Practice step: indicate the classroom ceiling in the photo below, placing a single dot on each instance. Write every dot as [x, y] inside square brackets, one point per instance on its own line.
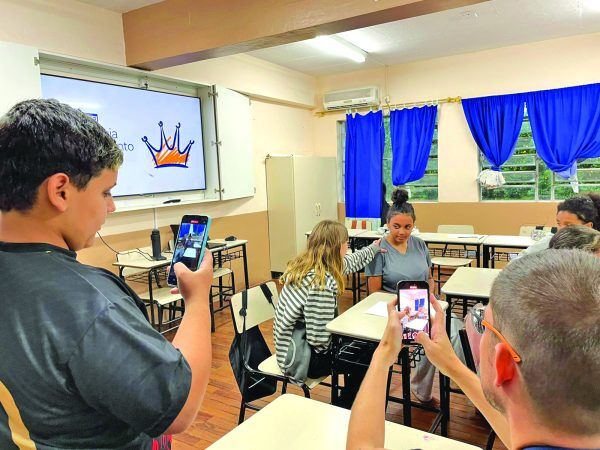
[493, 24]
[120, 6]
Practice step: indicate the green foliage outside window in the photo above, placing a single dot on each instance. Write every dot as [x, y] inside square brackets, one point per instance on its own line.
[528, 178]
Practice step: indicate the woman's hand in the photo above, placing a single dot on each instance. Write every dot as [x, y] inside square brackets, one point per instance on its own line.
[377, 244]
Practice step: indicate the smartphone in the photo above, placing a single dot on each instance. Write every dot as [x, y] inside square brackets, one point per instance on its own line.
[190, 244]
[413, 296]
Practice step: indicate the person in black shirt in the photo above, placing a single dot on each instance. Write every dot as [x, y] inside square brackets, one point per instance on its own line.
[81, 365]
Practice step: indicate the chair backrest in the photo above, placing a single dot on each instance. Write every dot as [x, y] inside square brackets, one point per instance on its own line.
[456, 229]
[259, 309]
[132, 255]
[473, 340]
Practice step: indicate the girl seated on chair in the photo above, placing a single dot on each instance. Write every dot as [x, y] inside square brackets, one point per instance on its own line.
[311, 284]
[407, 259]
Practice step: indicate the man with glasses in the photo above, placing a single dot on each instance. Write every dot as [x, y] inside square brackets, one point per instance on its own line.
[540, 357]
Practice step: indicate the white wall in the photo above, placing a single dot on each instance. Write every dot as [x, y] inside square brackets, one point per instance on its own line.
[64, 26]
[542, 65]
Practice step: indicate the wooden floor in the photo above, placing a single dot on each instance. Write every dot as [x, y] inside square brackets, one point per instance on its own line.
[219, 413]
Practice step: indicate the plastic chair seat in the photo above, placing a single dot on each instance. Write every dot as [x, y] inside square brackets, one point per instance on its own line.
[221, 272]
[271, 367]
[450, 262]
[162, 296]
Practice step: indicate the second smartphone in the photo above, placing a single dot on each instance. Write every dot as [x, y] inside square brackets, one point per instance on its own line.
[413, 296]
[190, 244]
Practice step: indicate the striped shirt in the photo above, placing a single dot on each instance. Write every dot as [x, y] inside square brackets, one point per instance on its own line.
[312, 305]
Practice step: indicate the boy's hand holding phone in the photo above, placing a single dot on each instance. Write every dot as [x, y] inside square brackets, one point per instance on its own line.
[195, 284]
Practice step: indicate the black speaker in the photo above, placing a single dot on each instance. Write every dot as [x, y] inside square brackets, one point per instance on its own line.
[156, 249]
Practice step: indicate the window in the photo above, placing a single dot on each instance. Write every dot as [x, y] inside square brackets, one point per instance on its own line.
[425, 189]
[528, 178]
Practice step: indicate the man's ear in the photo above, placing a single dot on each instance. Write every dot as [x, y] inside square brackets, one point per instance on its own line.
[58, 189]
[504, 365]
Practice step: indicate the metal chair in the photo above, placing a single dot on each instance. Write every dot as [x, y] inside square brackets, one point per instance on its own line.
[259, 310]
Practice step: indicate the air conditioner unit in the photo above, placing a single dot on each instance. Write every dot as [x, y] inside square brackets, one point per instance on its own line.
[351, 98]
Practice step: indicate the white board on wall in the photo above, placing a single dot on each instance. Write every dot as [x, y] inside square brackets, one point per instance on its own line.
[19, 75]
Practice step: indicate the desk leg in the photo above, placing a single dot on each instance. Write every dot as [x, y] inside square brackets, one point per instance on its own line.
[245, 258]
[486, 256]
[121, 273]
[478, 254]
[406, 406]
[334, 372]
[449, 299]
[152, 319]
[445, 402]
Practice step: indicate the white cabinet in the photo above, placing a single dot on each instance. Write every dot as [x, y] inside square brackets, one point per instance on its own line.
[19, 75]
[301, 191]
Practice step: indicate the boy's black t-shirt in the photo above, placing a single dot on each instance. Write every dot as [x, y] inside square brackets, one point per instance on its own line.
[80, 366]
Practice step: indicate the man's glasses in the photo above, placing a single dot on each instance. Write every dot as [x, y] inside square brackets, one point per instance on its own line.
[481, 324]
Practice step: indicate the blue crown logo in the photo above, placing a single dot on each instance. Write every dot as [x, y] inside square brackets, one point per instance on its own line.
[169, 155]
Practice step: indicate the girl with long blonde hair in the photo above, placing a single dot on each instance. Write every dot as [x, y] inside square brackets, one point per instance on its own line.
[312, 282]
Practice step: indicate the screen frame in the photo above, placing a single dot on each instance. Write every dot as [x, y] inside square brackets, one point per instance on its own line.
[205, 220]
[404, 285]
[144, 194]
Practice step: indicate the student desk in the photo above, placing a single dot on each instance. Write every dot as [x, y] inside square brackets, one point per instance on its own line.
[467, 240]
[491, 243]
[467, 284]
[355, 325]
[292, 422]
[231, 250]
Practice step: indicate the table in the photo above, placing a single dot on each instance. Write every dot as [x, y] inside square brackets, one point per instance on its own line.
[490, 243]
[467, 284]
[356, 324]
[153, 267]
[292, 422]
[466, 240]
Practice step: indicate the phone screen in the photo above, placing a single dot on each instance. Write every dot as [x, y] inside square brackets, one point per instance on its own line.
[415, 300]
[190, 244]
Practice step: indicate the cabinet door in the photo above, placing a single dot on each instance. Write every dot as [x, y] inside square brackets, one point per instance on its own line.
[315, 193]
[19, 75]
[234, 137]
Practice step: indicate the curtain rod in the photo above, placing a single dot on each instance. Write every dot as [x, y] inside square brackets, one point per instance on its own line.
[390, 107]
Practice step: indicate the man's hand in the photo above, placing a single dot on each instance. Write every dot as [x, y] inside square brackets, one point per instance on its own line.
[391, 342]
[438, 349]
[196, 284]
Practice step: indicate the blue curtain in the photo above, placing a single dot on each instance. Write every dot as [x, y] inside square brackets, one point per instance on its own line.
[495, 123]
[566, 126]
[411, 134]
[365, 140]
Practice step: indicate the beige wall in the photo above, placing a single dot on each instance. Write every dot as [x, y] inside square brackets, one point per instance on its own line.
[64, 26]
[542, 65]
[282, 120]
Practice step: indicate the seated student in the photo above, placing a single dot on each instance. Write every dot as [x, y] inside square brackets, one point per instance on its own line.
[540, 361]
[311, 284]
[81, 365]
[577, 236]
[579, 210]
[406, 259]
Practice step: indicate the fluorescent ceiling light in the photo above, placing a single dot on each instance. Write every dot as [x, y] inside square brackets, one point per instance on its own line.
[339, 47]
